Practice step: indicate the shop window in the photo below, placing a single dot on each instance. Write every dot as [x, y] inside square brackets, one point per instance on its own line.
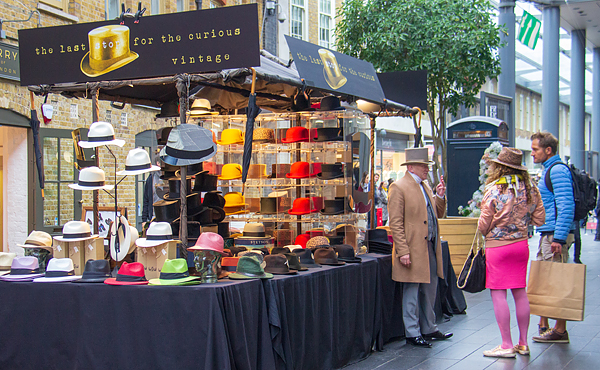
[112, 9]
[58, 4]
[155, 7]
[297, 19]
[325, 23]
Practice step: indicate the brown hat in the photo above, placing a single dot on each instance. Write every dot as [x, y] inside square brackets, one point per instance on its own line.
[416, 156]
[511, 157]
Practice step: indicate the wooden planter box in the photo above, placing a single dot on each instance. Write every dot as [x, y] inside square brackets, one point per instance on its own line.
[459, 233]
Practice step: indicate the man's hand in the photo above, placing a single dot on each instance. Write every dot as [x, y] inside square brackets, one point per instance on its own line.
[556, 247]
[440, 189]
[405, 260]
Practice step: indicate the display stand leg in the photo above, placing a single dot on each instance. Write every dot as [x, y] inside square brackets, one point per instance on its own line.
[95, 114]
[182, 91]
[372, 186]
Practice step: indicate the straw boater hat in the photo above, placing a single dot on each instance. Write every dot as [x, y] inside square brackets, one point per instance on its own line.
[38, 239]
[416, 156]
[511, 157]
[137, 163]
[201, 107]
[98, 60]
[101, 133]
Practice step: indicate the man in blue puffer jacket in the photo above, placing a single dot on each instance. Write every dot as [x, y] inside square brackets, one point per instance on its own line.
[560, 210]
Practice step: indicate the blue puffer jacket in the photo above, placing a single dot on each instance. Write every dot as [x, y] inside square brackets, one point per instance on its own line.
[562, 182]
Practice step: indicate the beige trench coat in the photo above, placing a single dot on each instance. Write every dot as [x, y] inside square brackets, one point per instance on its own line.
[408, 224]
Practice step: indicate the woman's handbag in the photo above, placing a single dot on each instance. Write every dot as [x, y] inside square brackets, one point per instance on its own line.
[472, 275]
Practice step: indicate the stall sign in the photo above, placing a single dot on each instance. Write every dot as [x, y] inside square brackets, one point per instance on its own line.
[9, 62]
[336, 72]
[159, 45]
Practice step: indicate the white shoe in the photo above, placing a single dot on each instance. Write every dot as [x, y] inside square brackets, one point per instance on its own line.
[500, 352]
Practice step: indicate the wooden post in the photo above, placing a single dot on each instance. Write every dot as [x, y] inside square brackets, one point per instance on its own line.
[183, 233]
[95, 117]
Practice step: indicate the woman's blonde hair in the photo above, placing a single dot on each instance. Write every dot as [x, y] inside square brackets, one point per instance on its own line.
[497, 171]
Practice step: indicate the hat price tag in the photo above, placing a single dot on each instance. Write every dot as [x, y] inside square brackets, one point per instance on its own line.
[91, 247]
[58, 248]
[143, 250]
[164, 252]
[153, 250]
[76, 249]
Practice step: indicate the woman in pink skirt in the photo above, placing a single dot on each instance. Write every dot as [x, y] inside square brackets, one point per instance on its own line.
[511, 202]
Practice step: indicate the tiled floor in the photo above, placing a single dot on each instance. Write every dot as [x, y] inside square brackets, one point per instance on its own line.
[477, 331]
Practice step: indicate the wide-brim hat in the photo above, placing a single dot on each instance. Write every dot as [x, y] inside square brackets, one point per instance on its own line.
[24, 268]
[327, 256]
[188, 144]
[175, 272]
[38, 239]
[120, 230]
[254, 230]
[346, 253]
[377, 236]
[101, 133]
[96, 271]
[75, 231]
[129, 274]
[98, 61]
[294, 262]
[91, 178]
[249, 268]
[277, 264]
[59, 270]
[416, 156]
[138, 162]
[328, 134]
[330, 102]
[330, 171]
[201, 107]
[510, 157]
[158, 233]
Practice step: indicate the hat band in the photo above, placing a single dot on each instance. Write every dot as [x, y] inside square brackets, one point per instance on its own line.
[77, 235]
[101, 138]
[59, 273]
[138, 167]
[24, 271]
[250, 274]
[159, 237]
[256, 234]
[95, 275]
[35, 242]
[173, 275]
[229, 268]
[90, 183]
[130, 278]
[183, 154]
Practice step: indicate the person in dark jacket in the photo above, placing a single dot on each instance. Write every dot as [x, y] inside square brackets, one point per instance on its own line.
[153, 192]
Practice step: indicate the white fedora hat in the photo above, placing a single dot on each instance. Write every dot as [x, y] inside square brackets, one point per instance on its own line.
[138, 162]
[38, 239]
[58, 270]
[101, 133]
[5, 262]
[91, 178]
[134, 237]
[120, 230]
[158, 233]
[75, 231]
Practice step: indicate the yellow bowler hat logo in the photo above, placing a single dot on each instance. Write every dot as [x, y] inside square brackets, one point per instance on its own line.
[331, 70]
[109, 50]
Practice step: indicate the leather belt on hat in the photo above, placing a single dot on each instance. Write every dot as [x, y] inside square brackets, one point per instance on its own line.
[24, 271]
[101, 138]
[130, 278]
[59, 273]
[183, 154]
[173, 275]
[90, 183]
[159, 237]
[138, 167]
[255, 234]
[78, 235]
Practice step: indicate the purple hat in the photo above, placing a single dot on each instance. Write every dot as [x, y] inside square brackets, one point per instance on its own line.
[23, 269]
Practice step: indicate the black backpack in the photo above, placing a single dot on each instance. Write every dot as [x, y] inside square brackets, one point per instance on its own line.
[584, 190]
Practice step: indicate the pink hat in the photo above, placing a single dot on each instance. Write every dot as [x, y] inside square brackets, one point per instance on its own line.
[208, 242]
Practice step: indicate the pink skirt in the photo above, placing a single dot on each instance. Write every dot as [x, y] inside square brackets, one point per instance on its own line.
[506, 266]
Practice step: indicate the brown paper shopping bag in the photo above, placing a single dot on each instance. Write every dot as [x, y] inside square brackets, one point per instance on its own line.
[557, 290]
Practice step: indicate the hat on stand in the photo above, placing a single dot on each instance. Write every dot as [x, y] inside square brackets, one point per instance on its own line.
[58, 270]
[188, 144]
[346, 253]
[331, 103]
[96, 271]
[301, 170]
[166, 210]
[335, 239]
[231, 136]
[302, 206]
[204, 181]
[377, 241]
[167, 110]
[91, 178]
[38, 239]
[137, 163]
[234, 199]
[101, 133]
[249, 268]
[317, 203]
[175, 188]
[201, 107]
[333, 207]
[327, 256]
[306, 258]
[330, 171]
[121, 232]
[192, 169]
[23, 269]
[262, 135]
[5, 262]
[231, 171]
[297, 134]
[213, 199]
[328, 134]
[75, 231]
[158, 233]
[175, 272]
[277, 264]
[208, 242]
[129, 274]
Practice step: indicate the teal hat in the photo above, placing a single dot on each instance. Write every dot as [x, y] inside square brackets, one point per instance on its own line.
[249, 268]
[175, 272]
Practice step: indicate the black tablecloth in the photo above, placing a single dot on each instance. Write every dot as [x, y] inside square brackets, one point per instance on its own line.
[96, 326]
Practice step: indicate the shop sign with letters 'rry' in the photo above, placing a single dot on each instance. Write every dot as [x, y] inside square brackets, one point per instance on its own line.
[160, 45]
[329, 70]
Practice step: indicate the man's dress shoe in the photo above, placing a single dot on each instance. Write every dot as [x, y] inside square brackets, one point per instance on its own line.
[438, 335]
[418, 342]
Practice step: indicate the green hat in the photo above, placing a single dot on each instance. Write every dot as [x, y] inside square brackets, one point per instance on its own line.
[249, 268]
[175, 272]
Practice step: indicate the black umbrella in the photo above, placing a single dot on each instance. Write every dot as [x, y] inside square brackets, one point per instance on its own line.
[417, 128]
[251, 112]
[35, 127]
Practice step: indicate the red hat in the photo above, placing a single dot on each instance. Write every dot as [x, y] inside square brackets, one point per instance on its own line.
[302, 170]
[302, 207]
[129, 274]
[296, 135]
[302, 239]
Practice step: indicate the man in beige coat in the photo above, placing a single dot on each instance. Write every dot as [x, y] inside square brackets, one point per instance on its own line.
[417, 253]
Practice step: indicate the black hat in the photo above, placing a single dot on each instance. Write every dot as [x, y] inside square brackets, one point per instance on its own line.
[294, 262]
[306, 258]
[175, 188]
[194, 205]
[192, 169]
[280, 250]
[168, 109]
[268, 205]
[377, 236]
[329, 134]
[204, 181]
[331, 171]
[213, 199]
[278, 264]
[223, 228]
[346, 253]
[301, 102]
[209, 216]
[331, 103]
[333, 207]
[336, 240]
[96, 271]
[235, 250]
[327, 256]
[188, 144]
[193, 229]
[166, 210]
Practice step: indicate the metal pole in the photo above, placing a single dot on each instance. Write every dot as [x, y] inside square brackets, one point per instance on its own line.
[577, 109]
[596, 105]
[550, 104]
[95, 115]
[506, 80]
[183, 234]
[372, 182]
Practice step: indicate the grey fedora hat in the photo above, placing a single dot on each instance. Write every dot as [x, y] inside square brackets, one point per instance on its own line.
[188, 144]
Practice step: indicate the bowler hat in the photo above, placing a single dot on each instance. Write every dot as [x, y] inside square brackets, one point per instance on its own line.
[331, 103]
[302, 170]
[204, 181]
[346, 253]
[188, 144]
[249, 268]
[306, 258]
[175, 272]
[231, 171]
[166, 210]
[101, 133]
[328, 134]
[231, 136]
[416, 156]
[234, 199]
[201, 107]
[96, 271]
[296, 134]
[331, 171]
[511, 157]
[327, 256]
[59, 270]
[129, 274]
[263, 135]
[137, 163]
[167, 110]
[100, 60]
[302, 206]
[91, 178]
[277, 264]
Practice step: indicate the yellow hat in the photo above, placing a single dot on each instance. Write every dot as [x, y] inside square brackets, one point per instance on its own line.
[235, 210]
[231, 136]
[231, 171]
[109, 50]
[234, 199]
[201, 107]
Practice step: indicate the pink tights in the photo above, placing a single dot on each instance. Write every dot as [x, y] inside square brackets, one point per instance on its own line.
[503, 314]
